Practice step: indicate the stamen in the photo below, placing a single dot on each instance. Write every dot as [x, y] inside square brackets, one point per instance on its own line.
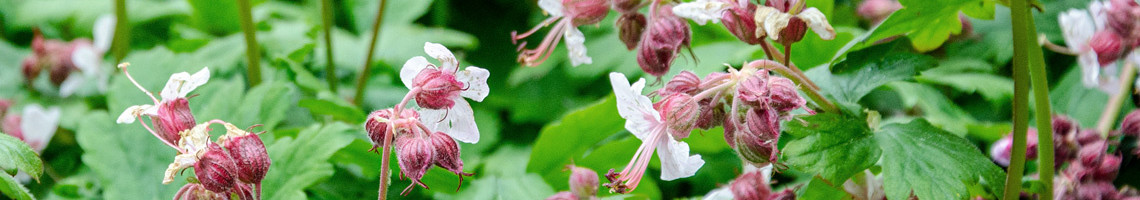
[515, 36]
[160, 138]
[124, 67]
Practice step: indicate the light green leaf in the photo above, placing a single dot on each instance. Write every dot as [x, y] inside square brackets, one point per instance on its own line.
[17, 155]
[11, 78]
[930, 163]
[300, 162]
[928, 23]
[992, 87]
[264, 104]
[1085, 105]
[833, 146]
[128, 161]
[331, 107]
[820, 189]
[11, 188]
[935, 106]
[560, 143]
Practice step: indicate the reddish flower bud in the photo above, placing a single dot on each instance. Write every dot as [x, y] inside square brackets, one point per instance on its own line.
[730, 131]
[249, 153]
[173, 117]
[1063, 127]
[377, 124]
[663, 41]
[1107, 169]
[712, 114]
[1123, 18]
[415, 155]
[447, 155]
[1107, 46]
[30, 68]
[794, 32]
[750, 186]
[244, 192]
[583, 182]
[1093, 153]
[1086, 137]
[1131, 124]
[686, 83]
[438, 89]
[782, 5]
[1095, 190]
[627, 6]
[757, 142]
[4, 105]
[630, 26]
[783, 95]
[753, 91]
[739, 21]
[680, 112]
[216, 170]
[562, 196]
[194, 191]
[585, 12]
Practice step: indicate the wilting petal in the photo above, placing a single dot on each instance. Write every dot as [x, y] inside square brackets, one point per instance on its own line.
[818, 23]
[194, 141]
[103, 32]
[770, 21]
[676, 161]
[180, 84]
[412, 68]
[181, 161]
[1076, 27]
[447, 61]
[637, 109]
[552, 7]
[576, 43]
[132, 112]
[39, 125]
[701, 11]
[475, 79]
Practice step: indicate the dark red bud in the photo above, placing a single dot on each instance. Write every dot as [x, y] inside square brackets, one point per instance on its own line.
[1123, 18]
[680, 112]
[437, 89]
[585, 12]
[1086, 137]
[630, 26]
[1093, 153]
[30, 68]
[216, 170]
[730, 131]
[739, 21]
[1107, 45]
[173, 117]
[627, 6]
[783, 95]
[252, 159]
[1131, 124]
[583, 182]
[794, 32]
[194, 191]
[663, 42]
[415, 155]
[750, 186]
[447, 155]
[60, 71]
[1107, 169]
[377, 124]
[1063, 127]
[712, 114]
[757, 143]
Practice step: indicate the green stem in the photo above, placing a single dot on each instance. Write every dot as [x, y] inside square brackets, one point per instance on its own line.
[365, 70]
[1112, 110]
[252, 54]
[1044, 110]
[330, 66]
[120, 41]
[1019, 20]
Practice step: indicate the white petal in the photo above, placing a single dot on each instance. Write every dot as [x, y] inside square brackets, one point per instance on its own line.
[475, 79]
[71, 84]
[721, 193]
[637, 109]
[770, 22]
[701, 11]
[576, 43]
[412, 68]
[195, 140]
[447, 61]
[86, 59]
[434, 119]
[675, 159]
[818, 23]
[181, 161]
[1090, 68]
[180, 84]
[131, 113]
[461, 119]
[1099, 15]
[552, 7]
[39, 125]
[103, 32]
[1076, 27]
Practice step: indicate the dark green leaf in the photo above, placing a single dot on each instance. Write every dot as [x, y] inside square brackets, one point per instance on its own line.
[931, 163]
[833, 146]
[128, 161]
[935, 106]
[867, 69]
[302, 161]
[560, 143]
[339, 109]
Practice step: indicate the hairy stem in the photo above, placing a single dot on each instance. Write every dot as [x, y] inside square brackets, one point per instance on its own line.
[384, 160]
[120, 42]
[1019, 20]
[366, 69]
[1044, 110]
[252, 54]
[1112, 110]
[327, 24]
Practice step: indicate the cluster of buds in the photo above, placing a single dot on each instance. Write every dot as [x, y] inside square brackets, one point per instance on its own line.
[565, 16]
[583, 185]
[235, 164]
[1101, 36]
[35, 125]
[749, 103]
[753, 185]
[426, 136]
[60, 59]
[658, 39]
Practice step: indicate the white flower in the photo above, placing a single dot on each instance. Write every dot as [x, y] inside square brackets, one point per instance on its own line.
[459, 121]
[1077, 28]
[552, 7]
[575, 42]
[88, 58]
[38, 125]
[178, 86]
[190, 149]
[702, 11]
[770, 21]
[646, 124]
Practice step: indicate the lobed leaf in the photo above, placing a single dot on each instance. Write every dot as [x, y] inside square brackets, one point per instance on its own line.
[833, 146]
[930, 163]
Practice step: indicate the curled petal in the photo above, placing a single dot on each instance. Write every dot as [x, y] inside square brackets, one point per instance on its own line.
[181, 161]
[475, 79]
[676, 161]
[195, 139]
[103, 32]
[818, 23]
[39, 125]
[1076, 27]
[412, 68]
[770, 21]
[447, 61]
[702, 11]
[180, 84]
[575, 42]
[637, 109]
[132, 112]
[552, 7]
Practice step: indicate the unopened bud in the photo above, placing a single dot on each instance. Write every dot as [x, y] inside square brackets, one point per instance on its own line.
[757, 143]
[4, 105]
[562, 196]
[750, 186]
[753, 91]
[739, 22]
[1093, 153]
[630, 26]
[248, 152]
[194, 191]
[173, 117]
[415, 154]
[244, 192]
[58, 72]
[877, 10]
[1064, 127]
[1095, 190]
[783, 95]
[1089, 136]
[447, 154]
[1107, 169]
[1123, 18]
[663, 41]
[626, 6]
[585, 12]
[438, 89]
[583, 182]
[1131, 124]
[680, 112]
[792, 33]
[216, 170]
[685, 83]
[30, 68]
[377, 124]
[730, 131]
[1107, 45]
[712, 114]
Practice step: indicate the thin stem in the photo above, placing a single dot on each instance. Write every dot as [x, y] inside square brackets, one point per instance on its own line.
[257, 187]
[123, 66]
[121, 40]
[1040, 80]
[768, 50]
[252, 54]
[1019, 19]
[1112, 110]
[365, 70]
[330, 66]
[384, 174]
[160, 138]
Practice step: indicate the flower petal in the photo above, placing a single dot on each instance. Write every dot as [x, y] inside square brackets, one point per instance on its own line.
[637, 109]
[770, 21]
[701, 11]
[475, 79]
[412, 68]
[86, 59]
[1076, 27]
[462, 122]
[676, 161]
[721, 193]
[818, 23]
[576, 44]
[552, 7]
[180, 84]
[447, 61]
[434, 119]
[39, 125]
[71, 84]
[131, 113]
[181, 161]
[103, 32]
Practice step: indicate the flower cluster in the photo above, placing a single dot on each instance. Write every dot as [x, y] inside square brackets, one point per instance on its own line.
[749, 103]
[35, 125]
[426, 136]
[60, 59]
[235, 164]
[753, 184]
[784, 21]
[565, 16]
[583, 185]
[1101, 36]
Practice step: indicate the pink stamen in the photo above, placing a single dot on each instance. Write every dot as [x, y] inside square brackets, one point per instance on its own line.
[533, 57]
[151, 95]
[631, 176]
[515, 37]
[148, 129]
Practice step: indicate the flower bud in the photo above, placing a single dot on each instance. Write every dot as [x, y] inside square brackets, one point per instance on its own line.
[415, 154]
[783, 95]
[630, 26]
[194, 191]
[244, 192]
[626, 6]
[4, 105]
[756, 143]
[1063, 127]
[792, 33]
[782, 5]
[585, 12]
[583, 182]
[1086, 137]
[730, 131]
[680, 112]
[753, 91]
[712, 114]
[30, 68]
[562, 196]
[447, 155]
[1123, 18]
[1093, 153]
[438, 89]
[686, 83]
[1107, 169]
[663, 41]
[877, 10]
[750, 186]
[248, 152]
[1107, 46]
[1095, 190]
[173, 117]
[216, 170]
[377, 124]
[1129, 127]
[738, 20]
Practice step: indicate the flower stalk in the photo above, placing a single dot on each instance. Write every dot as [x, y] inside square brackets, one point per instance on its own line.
[804, 83]
[1027, 55]
[1112, 110]
[252, 54]
[366, 69]
[327, 24]
[1045, 167]
[121, 41]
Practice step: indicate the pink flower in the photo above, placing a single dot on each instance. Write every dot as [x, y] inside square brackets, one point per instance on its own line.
[566, 15]
[446, 85]
[172, 115]
[35, 126]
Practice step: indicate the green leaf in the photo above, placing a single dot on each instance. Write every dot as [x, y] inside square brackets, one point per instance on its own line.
[807, 53]
[300, 162]
[338, 110]
[820, 189]
[11, 78]
[11, 188]
[17, 155]
[867, 69]
[928, 23]
[264, 104]
[216, 17]
[833, 146]
[560, 143]
[935, 106]
[993, 88]
[930, 163]
[128, 161]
